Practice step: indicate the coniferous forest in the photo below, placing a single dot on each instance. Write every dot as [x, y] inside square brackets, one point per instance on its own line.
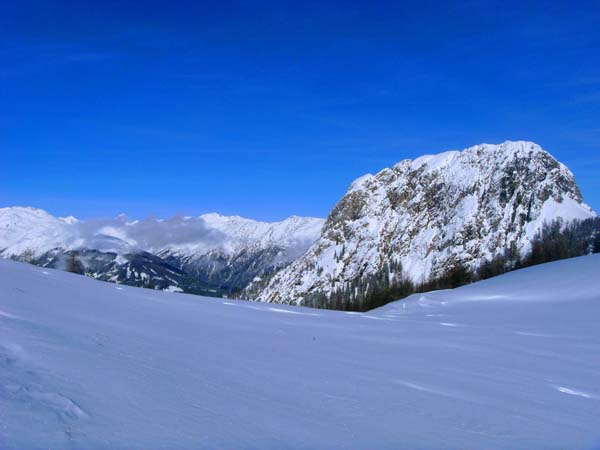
[556, 240]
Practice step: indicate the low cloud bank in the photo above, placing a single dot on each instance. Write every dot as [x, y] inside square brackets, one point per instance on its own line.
[146, 234]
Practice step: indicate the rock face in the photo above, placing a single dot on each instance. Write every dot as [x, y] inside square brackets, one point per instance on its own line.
[209, 254]
[421, 217]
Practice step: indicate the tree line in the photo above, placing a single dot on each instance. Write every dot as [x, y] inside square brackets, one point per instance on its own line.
[554, 241]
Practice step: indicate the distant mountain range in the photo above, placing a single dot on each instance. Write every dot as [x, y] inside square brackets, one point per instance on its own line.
[414, 221]
[209, 254]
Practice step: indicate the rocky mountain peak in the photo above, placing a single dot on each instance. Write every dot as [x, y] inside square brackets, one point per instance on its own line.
[427, 214]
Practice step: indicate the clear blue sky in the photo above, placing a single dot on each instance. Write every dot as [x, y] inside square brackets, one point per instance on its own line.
[267, 109]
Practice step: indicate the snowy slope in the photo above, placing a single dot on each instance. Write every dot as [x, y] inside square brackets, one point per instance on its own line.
[430, 214]
[507, 363]
[33, 232]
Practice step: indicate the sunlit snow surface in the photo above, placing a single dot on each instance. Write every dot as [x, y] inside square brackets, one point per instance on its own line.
[512, 362]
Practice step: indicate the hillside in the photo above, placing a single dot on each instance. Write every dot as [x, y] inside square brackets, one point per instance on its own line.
[507, 363]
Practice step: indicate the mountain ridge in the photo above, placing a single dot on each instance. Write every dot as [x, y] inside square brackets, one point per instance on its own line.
[228, 251]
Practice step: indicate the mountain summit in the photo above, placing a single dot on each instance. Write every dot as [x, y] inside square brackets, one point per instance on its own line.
[422, 217]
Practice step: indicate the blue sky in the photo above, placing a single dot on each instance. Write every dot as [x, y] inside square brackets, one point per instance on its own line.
[268, 109]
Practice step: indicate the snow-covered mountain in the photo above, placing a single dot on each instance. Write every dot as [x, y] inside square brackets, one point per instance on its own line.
[422, 217]
[247, 248]
[506, 363]
[30, 232]
[209, 253]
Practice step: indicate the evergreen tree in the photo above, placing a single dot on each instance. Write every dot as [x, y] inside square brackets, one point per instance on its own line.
[555, 240]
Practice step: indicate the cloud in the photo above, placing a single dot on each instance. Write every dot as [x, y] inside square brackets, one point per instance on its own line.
[152, 234]
[157, 233]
